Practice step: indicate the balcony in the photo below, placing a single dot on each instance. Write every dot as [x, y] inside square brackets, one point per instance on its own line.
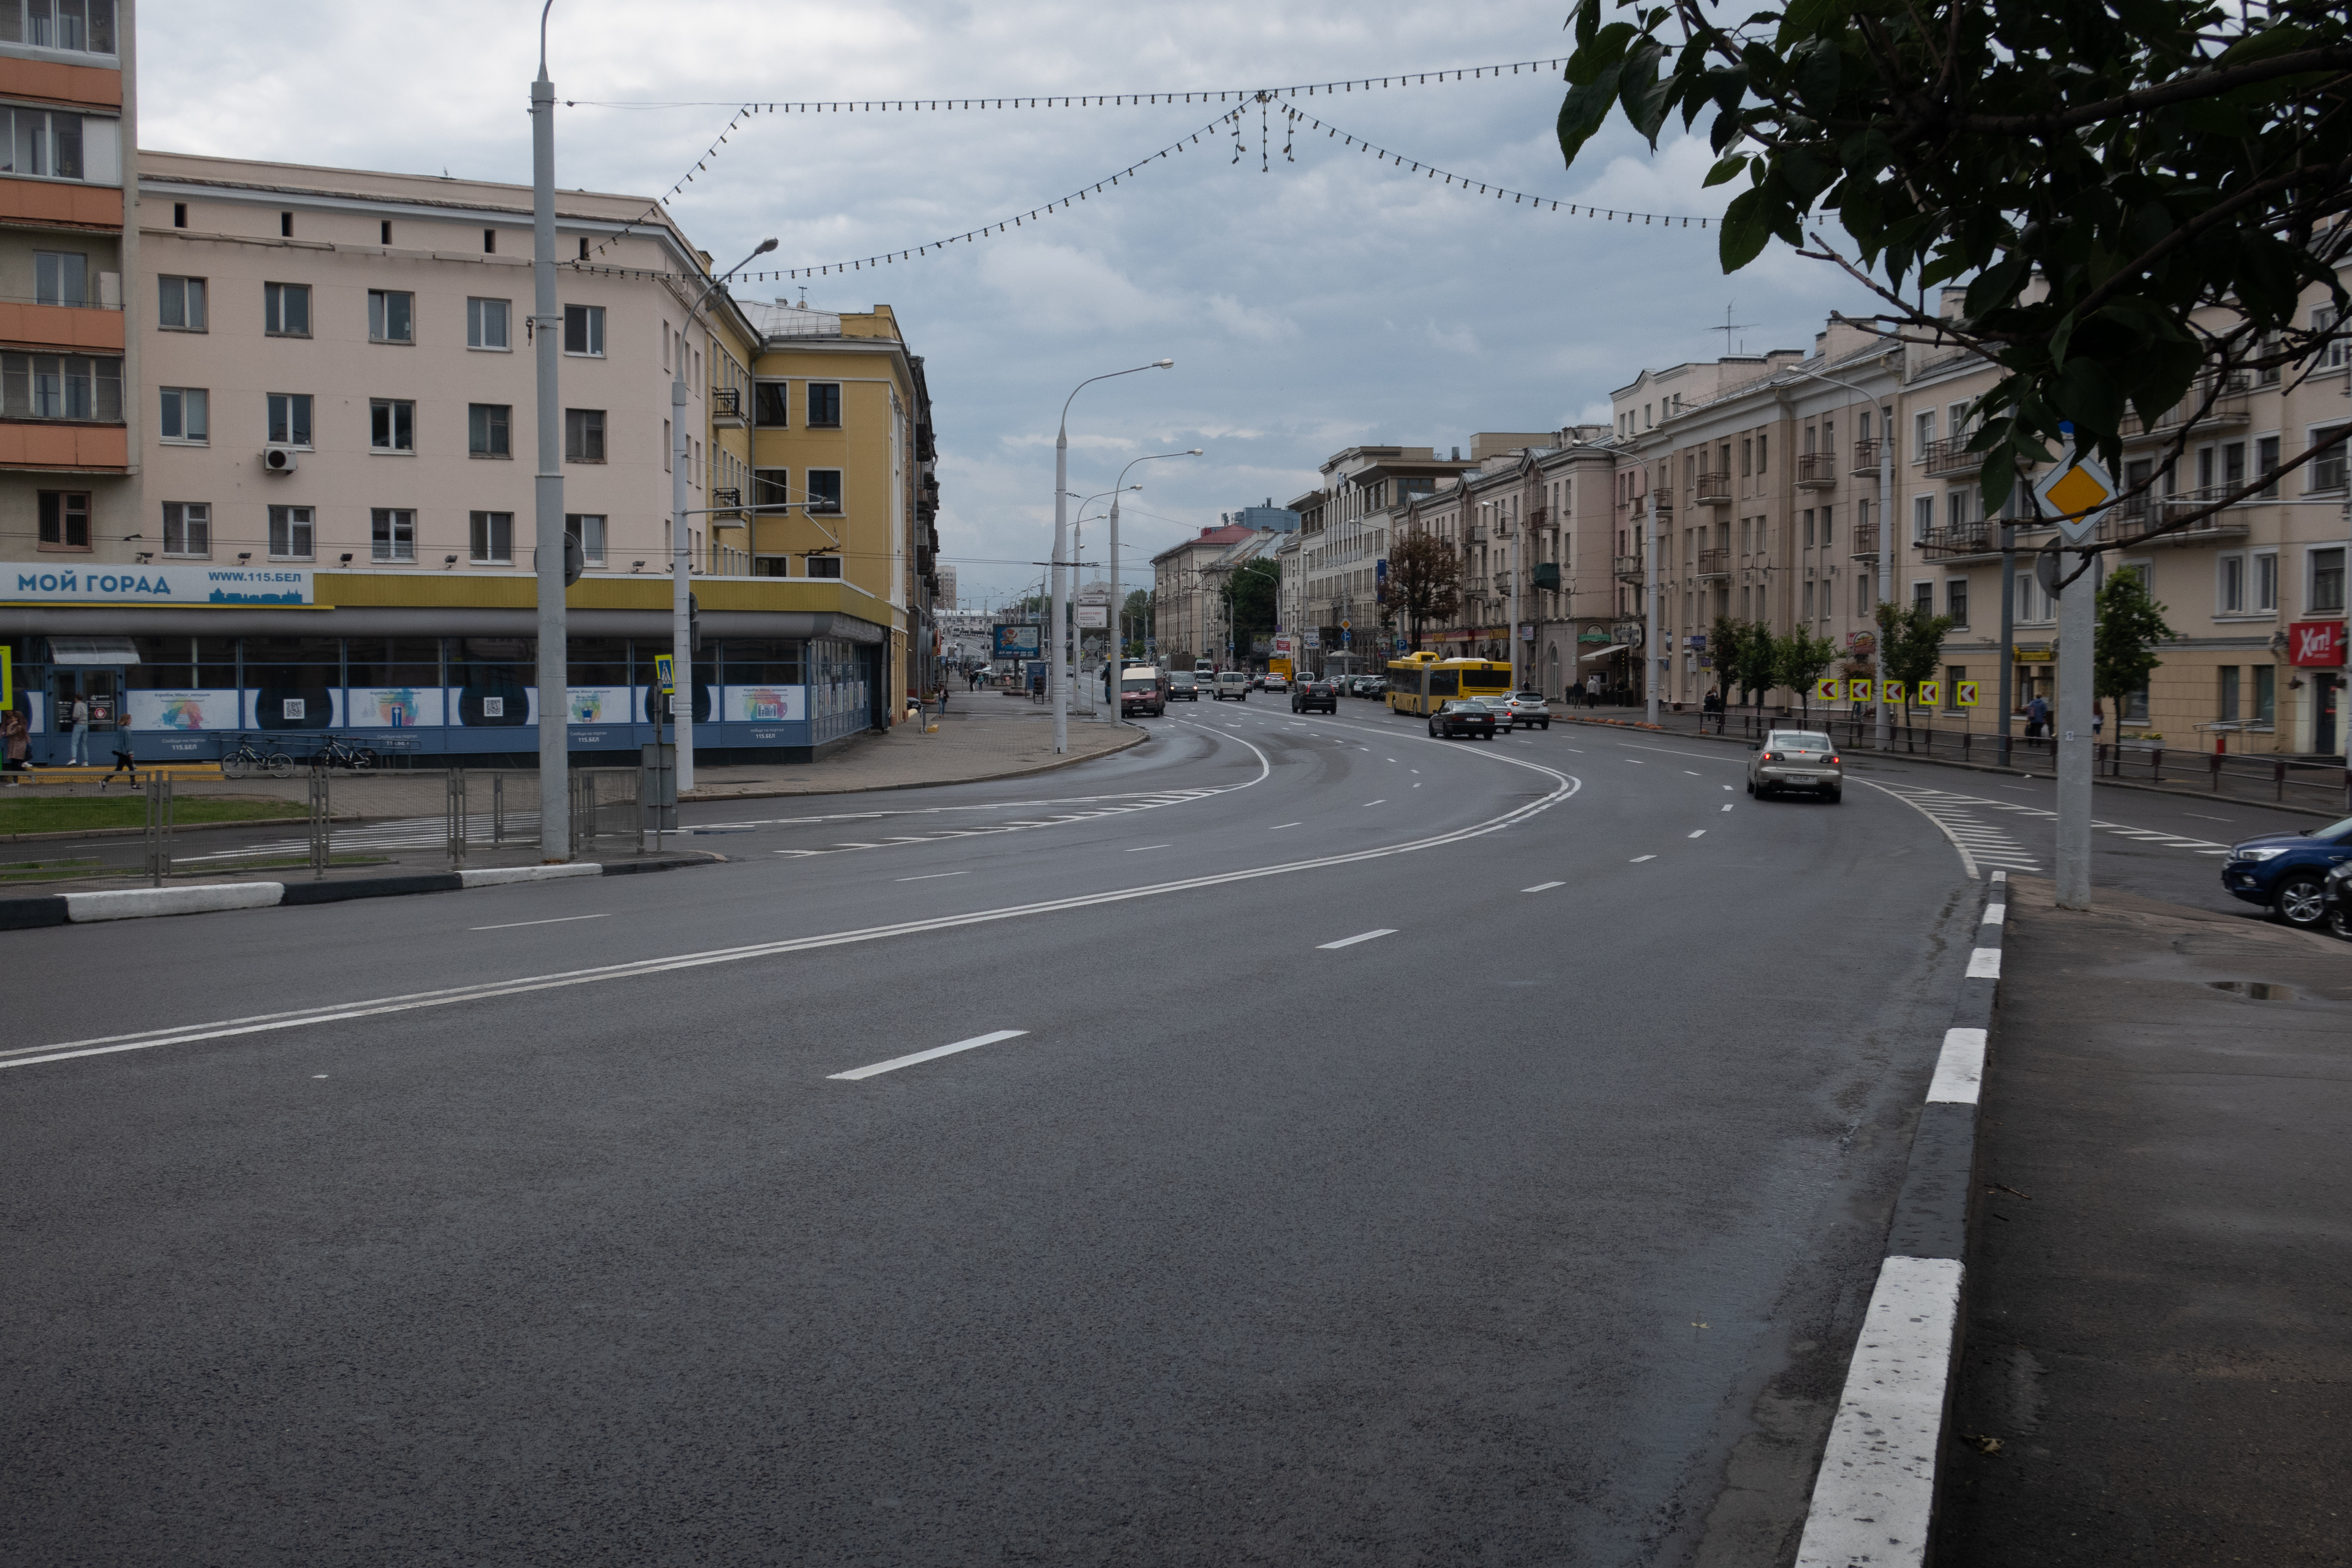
[1714, 563]
[1961, 542]
[727, 407]
[90, 329]
[726, 501]
[1862, 542]
[1817, 470]
[60, 447]
[1631, 568]
[1951, 456]
[1865, 460]
[1711, 490]
[2228, 407]
[2229, 524]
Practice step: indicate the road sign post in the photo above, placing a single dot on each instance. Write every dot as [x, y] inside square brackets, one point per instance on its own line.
[2075, 495]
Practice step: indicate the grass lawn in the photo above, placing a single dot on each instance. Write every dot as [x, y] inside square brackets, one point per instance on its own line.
[131, 811]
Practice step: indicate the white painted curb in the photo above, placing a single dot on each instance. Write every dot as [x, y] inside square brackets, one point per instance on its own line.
[1959, 1070]
[1877, 1486]
[136, 903]
[498, 874]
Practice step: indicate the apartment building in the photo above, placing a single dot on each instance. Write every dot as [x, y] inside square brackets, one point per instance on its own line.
[1187, 581]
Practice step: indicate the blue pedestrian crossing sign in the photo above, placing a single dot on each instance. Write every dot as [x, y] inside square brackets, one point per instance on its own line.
[662, 674]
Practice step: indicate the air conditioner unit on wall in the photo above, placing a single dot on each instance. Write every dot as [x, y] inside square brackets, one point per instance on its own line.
[279, 460]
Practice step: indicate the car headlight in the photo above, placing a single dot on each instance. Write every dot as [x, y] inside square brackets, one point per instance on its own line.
[2266, 853]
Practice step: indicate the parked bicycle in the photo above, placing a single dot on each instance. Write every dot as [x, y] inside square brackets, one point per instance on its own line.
[335, 752]
[248, 759]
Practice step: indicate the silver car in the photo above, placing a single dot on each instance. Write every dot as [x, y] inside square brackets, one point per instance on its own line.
[1795, 758]
[1528, 709]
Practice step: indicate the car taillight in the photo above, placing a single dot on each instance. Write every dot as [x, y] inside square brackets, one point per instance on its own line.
[1834, 762]
[1774, 757]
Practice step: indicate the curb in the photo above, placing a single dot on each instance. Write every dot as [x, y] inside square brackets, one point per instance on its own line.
[1875, 1499]
[142, 903]
[695, 798]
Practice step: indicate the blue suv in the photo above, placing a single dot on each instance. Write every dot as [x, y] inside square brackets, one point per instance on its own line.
[2287, 872]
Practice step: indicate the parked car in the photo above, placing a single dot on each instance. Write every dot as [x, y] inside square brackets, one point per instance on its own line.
[1528, 709]
[1142, 690]
[1796, 759]
[1309, 695]
[2338, 898]
[1232, 683]
[1184, 686]
[1467, 716]
[2287, 872]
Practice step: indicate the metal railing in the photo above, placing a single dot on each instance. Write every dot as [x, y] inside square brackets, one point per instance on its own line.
[1958, 540]
[1631, 568]
[1712, 490]
[1866, 458]
[1951, 456]
[499, 810]
[1862, 542]
[1714, 563]
[2228, 407]
[1818, 469]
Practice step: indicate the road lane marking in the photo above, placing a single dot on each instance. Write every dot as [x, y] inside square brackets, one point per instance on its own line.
[1352, 940]
[1382, 801]
[1959, 1070]
[895, 1063]
[1142, 848]
[1543, 887]
[1639, 859]
[1727, 786]
[2203, 818]
[1280, 825]
[1699, 833]
[1636, 761]
[1726, 804]
[1694, 773]
[558, 920]
[933, 876]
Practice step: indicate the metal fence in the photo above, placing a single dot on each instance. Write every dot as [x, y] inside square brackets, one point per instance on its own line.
[498, 809]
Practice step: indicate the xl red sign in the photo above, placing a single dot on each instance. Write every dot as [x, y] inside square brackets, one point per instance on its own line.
[2315, 642]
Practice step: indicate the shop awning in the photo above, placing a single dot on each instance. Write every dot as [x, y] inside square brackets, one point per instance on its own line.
[92, 651]
[1605, 652]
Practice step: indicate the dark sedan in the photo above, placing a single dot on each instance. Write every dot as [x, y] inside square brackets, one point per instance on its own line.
[1468, 717]
[2286, 873]
[1309, 695]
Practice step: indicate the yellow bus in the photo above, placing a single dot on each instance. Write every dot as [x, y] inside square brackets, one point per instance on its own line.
[1423, 682]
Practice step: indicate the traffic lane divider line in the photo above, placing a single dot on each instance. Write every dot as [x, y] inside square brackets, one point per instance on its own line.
[108, 1045]
[1542, 887]
[1639, 859]
[1700, 833]
[934, 1054]
[552, 920]
[1352, 940]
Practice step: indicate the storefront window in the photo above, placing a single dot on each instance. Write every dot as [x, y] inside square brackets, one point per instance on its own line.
[396, 683]
[293, 683]
[598, 683]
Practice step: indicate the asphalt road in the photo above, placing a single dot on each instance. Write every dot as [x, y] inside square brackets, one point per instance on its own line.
[538, 1224]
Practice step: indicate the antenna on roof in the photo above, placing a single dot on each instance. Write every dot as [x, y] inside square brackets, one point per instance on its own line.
[1729, 327]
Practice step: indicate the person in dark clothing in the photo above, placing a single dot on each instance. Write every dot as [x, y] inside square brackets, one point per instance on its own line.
[125, 760]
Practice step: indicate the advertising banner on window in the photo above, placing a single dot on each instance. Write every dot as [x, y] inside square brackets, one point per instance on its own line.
[199, 585]
[293, 706]
[601, 704]
[765, 704]
[184, 710]
[394, 707]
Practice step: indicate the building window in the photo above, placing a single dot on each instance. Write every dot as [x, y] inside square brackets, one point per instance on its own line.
[588, 528]
[825, 405]
[2326, 580]
[485, 324]
[60, 278]
[41, 142]
[187, 527]
[1922, 598]
[2266, 460]
[86, 27]
[825, 566]
[1956, 600]
[489, 242]
[1923, 432]
[384, 232]
[60, 386]
[179, 215]
[583, 434]
[2229, 702]
[492, 538]
[825, 489]
[2265, 694]
[285, 309]
[486, 427]
[772, 487]
[290, 419]
[583, 330]
[180, 303]
[392, 533]
[2231, 598]
[768, 404]
[391, 316]
[289, 533]
[391, 424]
[2328, 470]
[285, 225]
[65, 519]
[185, 415]
[2266, 582]
[1923, 516]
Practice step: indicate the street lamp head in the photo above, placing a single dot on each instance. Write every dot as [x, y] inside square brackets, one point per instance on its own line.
[766, 246]
[1163, 364]
[1193, 453]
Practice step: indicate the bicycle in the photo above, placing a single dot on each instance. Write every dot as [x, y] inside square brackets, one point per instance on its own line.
[334, 753]
[236, 765]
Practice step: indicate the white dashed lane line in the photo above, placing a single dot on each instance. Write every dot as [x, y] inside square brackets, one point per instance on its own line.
[1543, 887]
[1639, 859]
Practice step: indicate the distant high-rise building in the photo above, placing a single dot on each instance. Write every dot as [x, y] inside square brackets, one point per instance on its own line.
[946, 577]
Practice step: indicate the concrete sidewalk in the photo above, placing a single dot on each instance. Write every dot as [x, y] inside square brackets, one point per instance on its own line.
[2159, 1330]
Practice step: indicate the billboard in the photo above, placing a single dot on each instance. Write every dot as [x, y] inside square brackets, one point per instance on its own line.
[1019, 642]
[201, 585]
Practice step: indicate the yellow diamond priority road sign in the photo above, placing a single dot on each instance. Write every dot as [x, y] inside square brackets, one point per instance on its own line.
[2073, 494]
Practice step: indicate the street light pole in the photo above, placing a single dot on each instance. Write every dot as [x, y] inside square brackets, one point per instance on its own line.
[1061, 515]
[1119, 605]
[547, 485]
[681, 564]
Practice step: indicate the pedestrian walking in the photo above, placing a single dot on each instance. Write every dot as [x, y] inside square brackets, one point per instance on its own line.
[125, 758]
[80, 714]
[2037, 717]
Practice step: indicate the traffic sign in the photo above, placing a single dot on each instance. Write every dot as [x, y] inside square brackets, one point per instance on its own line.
[1931, 693]
[662, 674]
[1827, 689]
[1858, 689]
[1891, 690]
[2075, 493]
[1964, 693]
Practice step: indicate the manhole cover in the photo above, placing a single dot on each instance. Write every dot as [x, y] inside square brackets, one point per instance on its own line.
[2258, 990]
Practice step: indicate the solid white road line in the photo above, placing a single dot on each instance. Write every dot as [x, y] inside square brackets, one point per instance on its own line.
[895, 1063]
[558, 920]
[2203, 818]
[1352, 940]
[1541, 887]
[1984, 963]
[1639, 859]
[1382, 801]
[933, 876]
[1280, 825]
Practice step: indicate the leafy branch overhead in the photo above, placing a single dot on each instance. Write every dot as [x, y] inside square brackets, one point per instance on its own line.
[2135, 192]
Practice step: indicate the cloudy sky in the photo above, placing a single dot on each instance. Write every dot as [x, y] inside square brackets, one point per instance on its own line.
[1333, 300]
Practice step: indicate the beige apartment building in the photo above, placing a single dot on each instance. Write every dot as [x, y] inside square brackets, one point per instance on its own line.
[1188, 613]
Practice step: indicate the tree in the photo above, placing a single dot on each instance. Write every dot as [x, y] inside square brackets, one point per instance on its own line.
[1799, 660]
[1135, 620]
[1723, 640]
[2131, 622]
[2137, 191]
[1424, 582]
[1910, 649]
[1759, 662]
[1249, 594]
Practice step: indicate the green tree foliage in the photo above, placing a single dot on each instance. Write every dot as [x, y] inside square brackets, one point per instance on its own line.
[1799, 660]
[2131, 622]
[1249, 594]
[1759, 660]
[1910, 648]
[1135, 620]
[1424, 582]
[2135, 192]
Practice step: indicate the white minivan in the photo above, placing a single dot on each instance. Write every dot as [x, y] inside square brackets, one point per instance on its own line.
[1232, 683]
